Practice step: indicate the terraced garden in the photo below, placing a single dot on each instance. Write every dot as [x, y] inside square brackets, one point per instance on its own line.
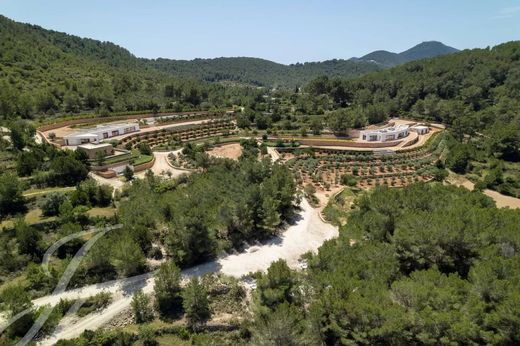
[328, 169]
[169, 138]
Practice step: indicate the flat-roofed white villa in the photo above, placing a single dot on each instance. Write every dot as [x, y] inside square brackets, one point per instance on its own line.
[385, 134]
[392, 133]
[99, 133]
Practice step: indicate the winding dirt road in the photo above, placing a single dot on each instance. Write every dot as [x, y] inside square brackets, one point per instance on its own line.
[501, 201]
[307, 234]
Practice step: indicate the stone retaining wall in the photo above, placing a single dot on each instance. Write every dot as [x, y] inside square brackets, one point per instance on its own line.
[123, 117]
[107, 174]
[346, 144]
[144, 166]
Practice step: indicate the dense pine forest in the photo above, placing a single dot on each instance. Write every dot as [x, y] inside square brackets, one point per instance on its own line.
[44, 72]
[263, 73]
[436, 265]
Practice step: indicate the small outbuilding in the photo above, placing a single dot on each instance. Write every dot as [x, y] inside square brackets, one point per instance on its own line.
[92, 150]
[421, 129]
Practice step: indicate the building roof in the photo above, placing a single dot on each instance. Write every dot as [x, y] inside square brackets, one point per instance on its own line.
[82, 135]
[94, 146]
[397, 128]
[93, 131]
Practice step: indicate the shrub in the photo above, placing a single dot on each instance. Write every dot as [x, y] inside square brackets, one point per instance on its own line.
[51, 204]
[97, 302]
[141, 307]
[348, 180]
[144, 149]
[440, 174]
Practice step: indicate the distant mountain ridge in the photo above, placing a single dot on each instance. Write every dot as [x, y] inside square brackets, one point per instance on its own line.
[424, 50]
[264, 72]
[40, 56]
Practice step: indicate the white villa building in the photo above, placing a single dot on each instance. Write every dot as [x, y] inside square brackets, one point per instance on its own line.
[99, 133]
[385, 134]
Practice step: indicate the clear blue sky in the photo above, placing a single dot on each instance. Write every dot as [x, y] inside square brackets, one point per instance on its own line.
[285, 31]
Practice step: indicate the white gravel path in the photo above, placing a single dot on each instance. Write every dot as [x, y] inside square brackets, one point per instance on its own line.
[307, 234]
[161, 165]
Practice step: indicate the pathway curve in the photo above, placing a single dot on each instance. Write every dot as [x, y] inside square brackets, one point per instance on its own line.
[162, 166]
[501, 201]
[274, 153]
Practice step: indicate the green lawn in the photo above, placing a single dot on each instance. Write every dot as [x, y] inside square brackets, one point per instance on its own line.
[35, 192]
[104, 212]
[142, 159]
[34, 216]
[116, 159]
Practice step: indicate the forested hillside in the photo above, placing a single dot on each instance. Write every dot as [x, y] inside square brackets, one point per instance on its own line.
[476, 86]
[476, 92]
[47, 72]
[260, 72]
[44, 72]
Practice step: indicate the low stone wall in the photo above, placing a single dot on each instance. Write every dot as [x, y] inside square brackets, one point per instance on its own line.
[144, 166]
[101, 119]
[108, 174]
[107, 167]
[347, 144]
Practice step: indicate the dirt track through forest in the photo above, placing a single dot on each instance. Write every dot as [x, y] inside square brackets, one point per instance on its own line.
[307, 234]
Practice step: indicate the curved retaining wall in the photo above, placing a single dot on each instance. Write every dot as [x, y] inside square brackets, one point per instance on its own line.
[412, 142]
[191, 115]
[342, 143]
[144, 166]
[107, 174]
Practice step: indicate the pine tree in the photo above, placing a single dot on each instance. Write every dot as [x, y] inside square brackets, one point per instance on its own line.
[167, 288]
[195, 303]
[141, 307]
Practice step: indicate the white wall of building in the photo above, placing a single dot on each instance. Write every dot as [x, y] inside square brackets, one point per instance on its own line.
[99, 133]
[385, 134]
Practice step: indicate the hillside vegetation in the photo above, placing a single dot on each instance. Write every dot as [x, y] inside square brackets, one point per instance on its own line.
[262, 72]
[47, 72]
[437, 265]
